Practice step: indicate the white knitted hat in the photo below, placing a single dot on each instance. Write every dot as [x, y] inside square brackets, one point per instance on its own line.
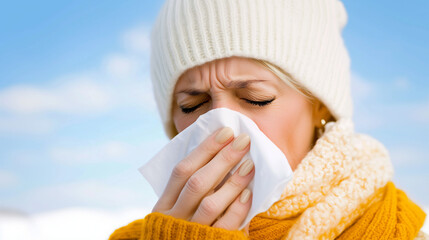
[303, 37]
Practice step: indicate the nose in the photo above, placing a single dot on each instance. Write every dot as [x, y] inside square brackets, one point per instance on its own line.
[225, 102]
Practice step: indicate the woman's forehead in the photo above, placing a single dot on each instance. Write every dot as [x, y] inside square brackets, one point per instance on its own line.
[228, 70]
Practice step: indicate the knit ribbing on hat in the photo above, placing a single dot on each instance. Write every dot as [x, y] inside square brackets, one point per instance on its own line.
[303, 37]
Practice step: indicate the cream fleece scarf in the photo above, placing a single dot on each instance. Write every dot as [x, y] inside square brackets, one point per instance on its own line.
[338, 178]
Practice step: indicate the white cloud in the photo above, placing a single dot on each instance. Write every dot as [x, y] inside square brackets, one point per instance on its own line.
[137, 39]
[365, 118]
[372, 112]
[401, 83]
[122, 82]
[18, 124]
[78, 223]
[363, 92]
[30, 109]
[76, 96]
[361, 88]
[120, 66]
[124, 188]
[85, 97]
[7, 179]
[27, 99]
[82, 193]
[110, 151]
[141, 94]
[129, 71]
[420, 112]
[408, 155]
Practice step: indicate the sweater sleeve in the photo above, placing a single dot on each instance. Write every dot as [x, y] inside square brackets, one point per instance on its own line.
[161, 226]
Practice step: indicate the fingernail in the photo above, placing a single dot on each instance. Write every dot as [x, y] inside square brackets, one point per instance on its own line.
[245, 196]
[245, 168]
[224, 135]
[241, 142]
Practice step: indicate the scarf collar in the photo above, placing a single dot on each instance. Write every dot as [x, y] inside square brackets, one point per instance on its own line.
[338, 178]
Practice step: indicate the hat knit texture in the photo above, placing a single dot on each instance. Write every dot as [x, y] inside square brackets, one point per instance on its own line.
[302, 37]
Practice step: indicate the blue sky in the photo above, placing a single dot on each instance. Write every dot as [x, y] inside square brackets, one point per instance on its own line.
[77, 116]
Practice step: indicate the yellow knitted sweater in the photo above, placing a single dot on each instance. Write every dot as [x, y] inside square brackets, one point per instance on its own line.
[340, 190]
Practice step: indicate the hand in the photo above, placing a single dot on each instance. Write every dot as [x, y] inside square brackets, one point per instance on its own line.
[192, 192]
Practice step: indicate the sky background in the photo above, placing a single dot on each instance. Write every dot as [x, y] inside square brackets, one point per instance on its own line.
[77, 116]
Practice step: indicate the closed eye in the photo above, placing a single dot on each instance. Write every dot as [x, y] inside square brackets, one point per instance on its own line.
[191, 109]
[257, 103]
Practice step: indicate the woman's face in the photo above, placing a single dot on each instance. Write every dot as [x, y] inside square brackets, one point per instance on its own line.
[285, 116]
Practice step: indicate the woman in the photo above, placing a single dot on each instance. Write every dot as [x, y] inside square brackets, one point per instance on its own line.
[282, 63]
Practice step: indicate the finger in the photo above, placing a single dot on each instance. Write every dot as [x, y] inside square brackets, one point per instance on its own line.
[199, 184]
[214, 205]
[236, 212]
[190, 164]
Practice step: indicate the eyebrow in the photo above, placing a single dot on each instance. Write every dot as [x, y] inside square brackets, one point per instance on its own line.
[232, 84]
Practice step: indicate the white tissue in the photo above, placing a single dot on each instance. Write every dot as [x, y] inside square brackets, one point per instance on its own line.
[272, 170]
